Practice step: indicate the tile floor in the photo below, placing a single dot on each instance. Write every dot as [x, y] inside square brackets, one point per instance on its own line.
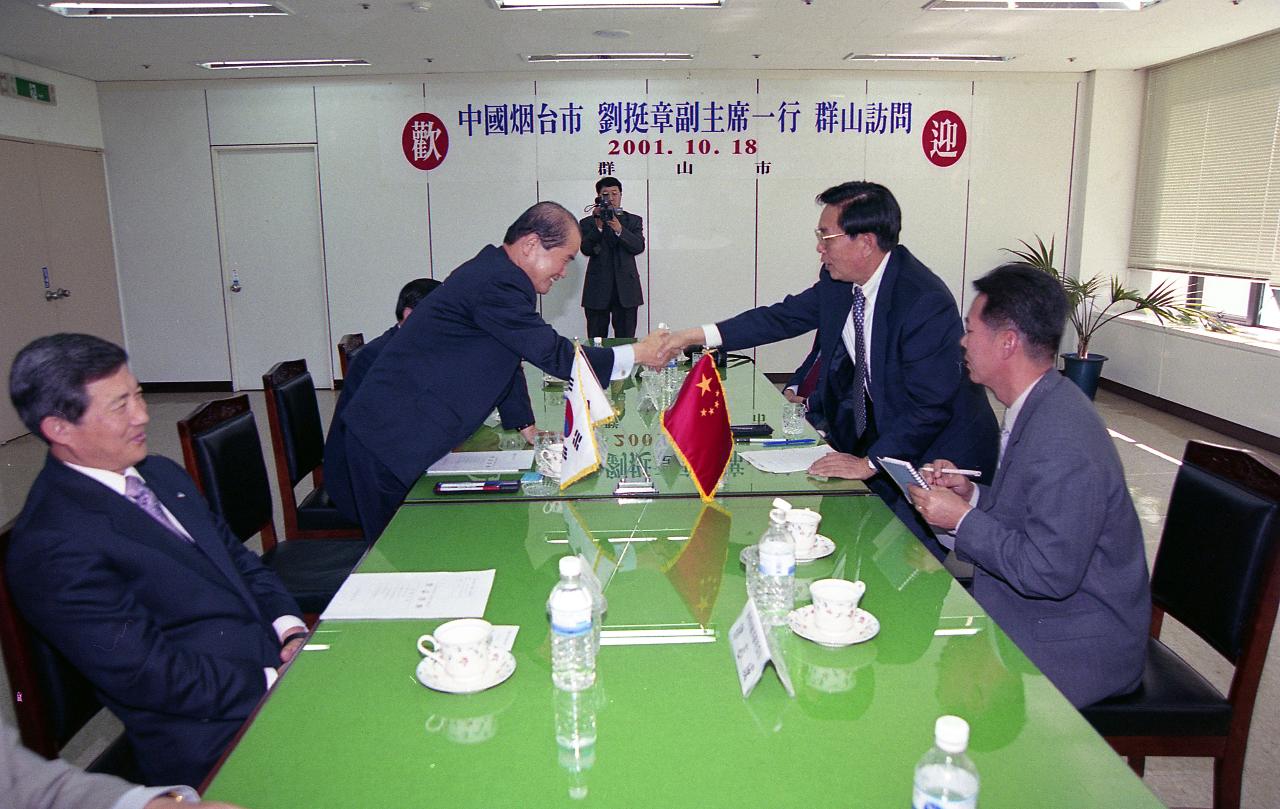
[1149, 443]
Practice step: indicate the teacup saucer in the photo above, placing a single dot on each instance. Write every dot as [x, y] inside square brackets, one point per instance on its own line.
[822, 548]
[802, 622]
[431, 674]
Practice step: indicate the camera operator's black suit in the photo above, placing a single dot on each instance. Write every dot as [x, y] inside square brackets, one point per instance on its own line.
[612, 286]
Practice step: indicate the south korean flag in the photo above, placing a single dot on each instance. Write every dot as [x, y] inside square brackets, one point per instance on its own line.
[585, 406]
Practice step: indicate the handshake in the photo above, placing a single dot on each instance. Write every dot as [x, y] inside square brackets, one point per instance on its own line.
[658, 347]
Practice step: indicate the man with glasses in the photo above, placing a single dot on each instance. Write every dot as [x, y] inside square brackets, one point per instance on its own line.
[891, 383]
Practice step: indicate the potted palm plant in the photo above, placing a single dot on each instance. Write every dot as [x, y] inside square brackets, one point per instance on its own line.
[1088, 313]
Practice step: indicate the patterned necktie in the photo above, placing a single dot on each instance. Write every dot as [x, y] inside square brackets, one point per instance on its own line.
[145, 499]
[860, 352]
[1004, 439]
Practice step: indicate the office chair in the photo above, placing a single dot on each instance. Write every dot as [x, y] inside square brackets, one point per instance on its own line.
[347, 348]
[297, 441]
[222, 452]
[1218, 573]
[51, 699]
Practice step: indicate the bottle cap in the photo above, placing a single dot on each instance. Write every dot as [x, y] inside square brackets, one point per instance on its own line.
[778, 502]
[951, 734]
[572, 566]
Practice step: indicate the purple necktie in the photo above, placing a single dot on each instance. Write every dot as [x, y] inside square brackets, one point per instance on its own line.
[145, 499]
[860, 370]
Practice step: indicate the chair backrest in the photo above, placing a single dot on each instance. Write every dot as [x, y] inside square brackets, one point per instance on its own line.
[297, 435]
[222, 451]
[1217, 555]
[347, 348]
[51, 699]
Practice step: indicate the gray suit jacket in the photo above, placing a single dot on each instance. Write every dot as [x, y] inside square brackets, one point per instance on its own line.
[27, 781]
[1057, 548]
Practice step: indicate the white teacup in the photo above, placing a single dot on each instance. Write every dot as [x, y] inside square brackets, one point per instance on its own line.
[548, 454]
[835, 603]
[803, 525]
[462, 648]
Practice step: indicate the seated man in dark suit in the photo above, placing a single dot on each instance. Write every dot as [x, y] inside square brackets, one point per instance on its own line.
[119, 564]
[1054, 540]
[459, 354]
[515, 408]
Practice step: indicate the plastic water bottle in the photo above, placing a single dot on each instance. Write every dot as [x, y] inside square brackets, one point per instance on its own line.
[776, 567]
[573, 658]
[945, 777]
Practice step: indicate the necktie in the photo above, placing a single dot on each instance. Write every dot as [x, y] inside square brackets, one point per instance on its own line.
[145, 499]
[1004, 441]
[860, 352]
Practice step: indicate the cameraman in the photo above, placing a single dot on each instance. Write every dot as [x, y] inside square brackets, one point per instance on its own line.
[612, 238]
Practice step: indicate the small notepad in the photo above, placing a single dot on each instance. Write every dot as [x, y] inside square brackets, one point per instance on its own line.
[903, 474]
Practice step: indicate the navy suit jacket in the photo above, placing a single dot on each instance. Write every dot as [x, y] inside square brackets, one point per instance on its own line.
[456, 357]
[515, 409]
[925, 406]
[1057, 548]
[173, 635]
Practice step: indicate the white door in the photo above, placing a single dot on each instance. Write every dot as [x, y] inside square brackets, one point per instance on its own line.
[273, 274]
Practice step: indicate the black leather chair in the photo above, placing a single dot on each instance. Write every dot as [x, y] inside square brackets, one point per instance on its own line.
[348, 345]
[297, 441]
[51, 699]
[1218, 573]
[222, 451]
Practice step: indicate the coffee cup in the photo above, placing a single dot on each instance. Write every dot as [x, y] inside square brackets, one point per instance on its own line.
[548, 452]
[835, 604]
[803, 525]
[462, 648]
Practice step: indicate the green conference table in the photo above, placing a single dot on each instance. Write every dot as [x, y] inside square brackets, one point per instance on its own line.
[349, 725]
[631, 446]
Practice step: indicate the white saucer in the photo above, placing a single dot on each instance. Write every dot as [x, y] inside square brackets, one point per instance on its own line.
[822, 548]
[865, 627]
[431, 674]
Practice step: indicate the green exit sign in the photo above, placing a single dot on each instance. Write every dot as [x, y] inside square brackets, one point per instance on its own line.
[18, 87]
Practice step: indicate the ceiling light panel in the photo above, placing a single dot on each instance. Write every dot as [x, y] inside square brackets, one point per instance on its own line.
[609, 57]
[265, 63]
[599, 4]
[926, 57]
[232, 8]
[1039, 5]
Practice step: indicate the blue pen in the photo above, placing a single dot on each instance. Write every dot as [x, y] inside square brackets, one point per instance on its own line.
[789, 442]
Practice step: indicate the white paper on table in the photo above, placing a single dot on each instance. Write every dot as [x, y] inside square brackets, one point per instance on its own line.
[412, 595]
[786, 459]
[482, 463]
[504, 636]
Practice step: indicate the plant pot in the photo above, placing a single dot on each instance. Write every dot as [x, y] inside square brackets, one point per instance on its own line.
[1084, 371]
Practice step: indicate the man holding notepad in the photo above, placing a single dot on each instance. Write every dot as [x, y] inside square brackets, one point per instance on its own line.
[1055, 540]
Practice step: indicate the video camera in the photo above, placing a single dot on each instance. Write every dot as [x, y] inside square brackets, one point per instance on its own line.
[603, 209]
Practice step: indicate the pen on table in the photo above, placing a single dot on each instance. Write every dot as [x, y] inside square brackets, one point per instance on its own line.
[778, 442]
[969, 473]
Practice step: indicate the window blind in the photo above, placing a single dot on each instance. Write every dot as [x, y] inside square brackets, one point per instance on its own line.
[1208, 196]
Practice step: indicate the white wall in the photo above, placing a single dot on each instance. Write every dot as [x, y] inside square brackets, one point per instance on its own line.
[725, 238]
[72, 121]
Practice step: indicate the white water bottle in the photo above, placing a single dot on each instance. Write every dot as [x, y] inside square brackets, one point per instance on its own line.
[573, 657]
[776, 566]
[945, 777]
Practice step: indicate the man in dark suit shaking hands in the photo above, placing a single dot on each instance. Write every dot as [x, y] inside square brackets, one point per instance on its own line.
[891, 382]
[1054, 540]
[455, 359]
[119, 564]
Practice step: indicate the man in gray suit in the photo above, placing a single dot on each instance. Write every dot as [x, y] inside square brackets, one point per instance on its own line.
[29, 782]
[1055, 541]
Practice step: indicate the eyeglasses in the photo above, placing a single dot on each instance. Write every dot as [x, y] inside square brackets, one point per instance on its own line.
[822, 237]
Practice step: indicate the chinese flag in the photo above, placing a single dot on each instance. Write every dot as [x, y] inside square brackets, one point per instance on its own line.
[698, 427]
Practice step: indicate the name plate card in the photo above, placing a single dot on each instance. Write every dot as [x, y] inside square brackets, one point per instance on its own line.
[752, 649]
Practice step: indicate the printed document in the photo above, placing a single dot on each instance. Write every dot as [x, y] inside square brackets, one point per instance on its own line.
[412, 595]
